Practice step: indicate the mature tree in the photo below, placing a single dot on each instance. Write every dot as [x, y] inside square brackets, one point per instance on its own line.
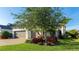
[45, 19]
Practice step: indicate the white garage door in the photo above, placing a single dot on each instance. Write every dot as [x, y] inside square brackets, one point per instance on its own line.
[20, 34]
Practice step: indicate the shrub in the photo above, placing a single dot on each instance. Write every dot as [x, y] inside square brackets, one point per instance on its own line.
[52, 40]
[67, 35]
[72, 34]
[6, 34]
[34, 40]
[38, 40]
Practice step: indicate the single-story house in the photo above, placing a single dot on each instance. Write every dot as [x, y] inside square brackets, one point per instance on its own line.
[24, 33]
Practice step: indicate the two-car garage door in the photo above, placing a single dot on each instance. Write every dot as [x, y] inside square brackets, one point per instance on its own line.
[20, 34]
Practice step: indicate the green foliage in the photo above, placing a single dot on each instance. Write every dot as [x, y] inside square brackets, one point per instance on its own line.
[6, 34]
[65, 20]
[35, 18]
[45, 19]
[73, 33]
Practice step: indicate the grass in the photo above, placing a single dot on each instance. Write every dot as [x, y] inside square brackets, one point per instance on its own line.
[65, 45]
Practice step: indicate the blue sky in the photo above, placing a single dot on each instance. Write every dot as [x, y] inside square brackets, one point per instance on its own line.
[6, 14]
[73, 13]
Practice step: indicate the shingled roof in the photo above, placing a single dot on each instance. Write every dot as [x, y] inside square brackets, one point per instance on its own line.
[5, 27]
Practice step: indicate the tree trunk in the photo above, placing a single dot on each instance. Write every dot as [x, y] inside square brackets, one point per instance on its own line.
[45, 37]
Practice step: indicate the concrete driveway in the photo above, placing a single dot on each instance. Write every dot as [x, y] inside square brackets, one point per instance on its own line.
[11, 41]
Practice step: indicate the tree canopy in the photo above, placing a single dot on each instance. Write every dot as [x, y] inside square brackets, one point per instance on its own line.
[41, 19]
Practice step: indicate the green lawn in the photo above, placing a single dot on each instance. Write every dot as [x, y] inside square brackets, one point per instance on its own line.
[65, 45]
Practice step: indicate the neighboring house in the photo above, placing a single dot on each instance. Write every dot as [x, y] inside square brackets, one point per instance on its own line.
[5, 28]
[25, 34]
[17, 33]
